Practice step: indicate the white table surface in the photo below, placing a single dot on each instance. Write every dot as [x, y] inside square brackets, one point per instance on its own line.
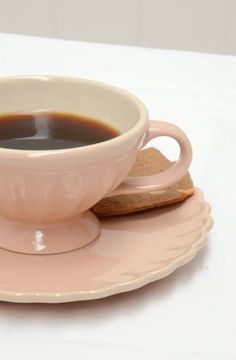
[190, 315]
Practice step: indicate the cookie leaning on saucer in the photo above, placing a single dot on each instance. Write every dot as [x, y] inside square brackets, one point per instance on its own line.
[149, 162]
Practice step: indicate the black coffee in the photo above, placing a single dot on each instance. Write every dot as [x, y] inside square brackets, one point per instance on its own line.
[51, 131]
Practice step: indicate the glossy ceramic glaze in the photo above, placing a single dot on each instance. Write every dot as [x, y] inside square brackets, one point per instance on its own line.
[130, 252]
[42, 191]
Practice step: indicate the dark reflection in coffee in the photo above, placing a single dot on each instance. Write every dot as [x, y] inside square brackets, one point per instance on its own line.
[51, 131]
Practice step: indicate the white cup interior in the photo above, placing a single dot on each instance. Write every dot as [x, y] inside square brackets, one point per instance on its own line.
[78, 96]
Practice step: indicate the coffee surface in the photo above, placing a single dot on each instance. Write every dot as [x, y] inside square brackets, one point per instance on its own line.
[51, 131]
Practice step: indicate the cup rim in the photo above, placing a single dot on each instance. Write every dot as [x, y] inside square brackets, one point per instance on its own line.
[138, 128]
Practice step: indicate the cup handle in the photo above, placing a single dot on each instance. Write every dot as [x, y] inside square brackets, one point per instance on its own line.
[168, 177]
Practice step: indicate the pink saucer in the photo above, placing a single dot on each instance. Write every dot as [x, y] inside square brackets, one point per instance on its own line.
[131, 251]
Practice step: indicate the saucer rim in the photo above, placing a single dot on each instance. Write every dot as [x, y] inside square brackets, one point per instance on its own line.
[125, 286]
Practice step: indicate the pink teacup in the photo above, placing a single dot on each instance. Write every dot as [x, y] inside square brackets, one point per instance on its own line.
[45, 194]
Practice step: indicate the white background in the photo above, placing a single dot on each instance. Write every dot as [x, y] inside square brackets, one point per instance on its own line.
[191, 314]
[198, 25]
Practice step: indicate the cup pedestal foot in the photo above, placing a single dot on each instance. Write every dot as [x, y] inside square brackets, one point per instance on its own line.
[50, 238]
